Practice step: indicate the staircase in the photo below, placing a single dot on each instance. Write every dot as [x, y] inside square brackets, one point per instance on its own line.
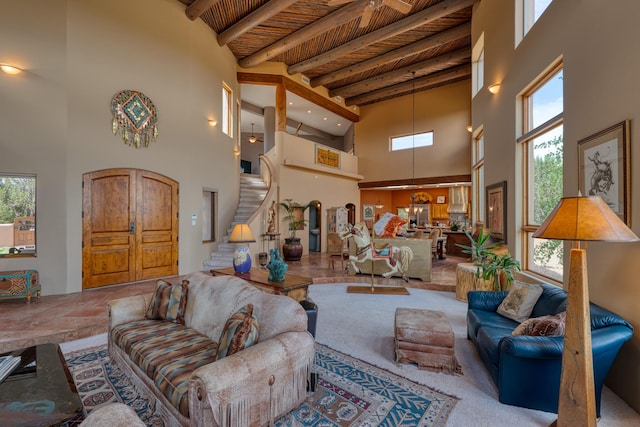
[252, 192]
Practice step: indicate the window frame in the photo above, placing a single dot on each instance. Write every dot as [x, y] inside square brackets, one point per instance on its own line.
[477, 58]
[28, 250]
[414, 145]
[478, 175]
[526, 141]
[227, 110]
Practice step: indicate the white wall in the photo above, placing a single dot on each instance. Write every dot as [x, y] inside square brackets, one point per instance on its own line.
[597, 41]
[56, 118]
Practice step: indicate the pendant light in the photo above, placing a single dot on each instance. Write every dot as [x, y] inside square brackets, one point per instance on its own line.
[252, 138]
[413, 144]
[379, 204]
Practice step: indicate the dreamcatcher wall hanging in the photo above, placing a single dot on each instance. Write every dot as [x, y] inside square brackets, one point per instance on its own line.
[136, 117]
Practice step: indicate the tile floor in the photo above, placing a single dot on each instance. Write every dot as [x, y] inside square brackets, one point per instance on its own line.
[60, 318]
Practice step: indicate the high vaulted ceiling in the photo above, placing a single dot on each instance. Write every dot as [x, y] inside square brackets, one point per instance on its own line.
[392, 56]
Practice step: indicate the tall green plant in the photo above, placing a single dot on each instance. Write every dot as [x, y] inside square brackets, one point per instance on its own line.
[479, 249]
[294, 221]
[494, 266]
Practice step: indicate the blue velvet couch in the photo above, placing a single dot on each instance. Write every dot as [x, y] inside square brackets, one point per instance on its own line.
[526, 369]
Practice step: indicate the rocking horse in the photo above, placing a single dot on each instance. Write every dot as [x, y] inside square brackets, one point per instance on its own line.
[397, 258]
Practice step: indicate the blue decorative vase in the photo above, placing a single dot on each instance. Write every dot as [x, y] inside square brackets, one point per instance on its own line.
[277, 267]
[242, 259]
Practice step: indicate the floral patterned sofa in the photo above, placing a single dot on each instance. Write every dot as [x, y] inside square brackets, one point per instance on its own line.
[213, 351]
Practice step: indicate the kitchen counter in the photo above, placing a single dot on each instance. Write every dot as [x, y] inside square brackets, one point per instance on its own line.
[454, 237]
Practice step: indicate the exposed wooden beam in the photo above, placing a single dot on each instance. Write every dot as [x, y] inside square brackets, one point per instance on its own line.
[440, 10]
[329, 22]
[427, 66]
[281, 108]
[252, 108]
[300, 90]
[421, 83]
[416, 182]
[198, 7]
[455, 33]
[257, 17]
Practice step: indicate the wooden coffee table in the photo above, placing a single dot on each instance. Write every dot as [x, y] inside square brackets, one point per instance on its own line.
[40, 395]
[293, 286]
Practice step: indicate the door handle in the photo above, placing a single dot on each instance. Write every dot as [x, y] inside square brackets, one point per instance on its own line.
[132, 228]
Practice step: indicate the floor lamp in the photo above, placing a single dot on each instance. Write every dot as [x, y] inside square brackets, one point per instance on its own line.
[580, 219]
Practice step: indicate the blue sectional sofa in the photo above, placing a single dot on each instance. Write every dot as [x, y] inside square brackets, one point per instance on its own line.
[526, 369]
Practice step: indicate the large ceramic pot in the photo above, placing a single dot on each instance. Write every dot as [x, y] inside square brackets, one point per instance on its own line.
[292, 249]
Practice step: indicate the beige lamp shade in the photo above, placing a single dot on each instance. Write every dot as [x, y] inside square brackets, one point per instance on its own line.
[584, 218]
[241, 233]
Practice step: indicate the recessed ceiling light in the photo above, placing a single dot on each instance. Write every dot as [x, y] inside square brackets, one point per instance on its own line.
[290, 102]
[309, 111]
[339, 124]
[324, 118]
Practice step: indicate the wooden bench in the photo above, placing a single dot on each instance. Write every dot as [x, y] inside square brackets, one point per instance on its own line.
[21, 283]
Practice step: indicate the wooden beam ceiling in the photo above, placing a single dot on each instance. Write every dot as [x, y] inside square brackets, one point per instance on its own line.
[260, 15]
[463, 30]
[413, 21]
[329, 22]
[326, 43]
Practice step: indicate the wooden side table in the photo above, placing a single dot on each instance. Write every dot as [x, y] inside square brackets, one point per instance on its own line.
[293, 286]
[466, 280]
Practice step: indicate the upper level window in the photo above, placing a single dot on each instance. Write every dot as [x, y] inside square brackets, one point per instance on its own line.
[411, 141]
[532, 9]
[478, 177]
[477, 57]
[542, 143]
[227, 98]
[17, 215]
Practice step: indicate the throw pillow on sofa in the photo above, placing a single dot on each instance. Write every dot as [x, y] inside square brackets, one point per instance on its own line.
[551, 325]
[240, 331]
[388, 225]
[519, 302]
[169, 302]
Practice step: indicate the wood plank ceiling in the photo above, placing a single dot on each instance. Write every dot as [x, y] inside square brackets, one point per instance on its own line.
[392, 56]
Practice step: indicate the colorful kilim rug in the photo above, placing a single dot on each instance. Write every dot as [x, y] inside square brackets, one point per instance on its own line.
[349, 392]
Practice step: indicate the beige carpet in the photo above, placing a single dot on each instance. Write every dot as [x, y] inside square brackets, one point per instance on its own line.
[362, 326]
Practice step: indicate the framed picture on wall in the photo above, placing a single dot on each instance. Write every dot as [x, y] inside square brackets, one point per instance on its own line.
[603, 165]
[368, 211]
[496, 214]
[440, 199]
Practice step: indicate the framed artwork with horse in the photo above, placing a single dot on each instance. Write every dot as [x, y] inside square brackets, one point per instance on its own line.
[604, 170]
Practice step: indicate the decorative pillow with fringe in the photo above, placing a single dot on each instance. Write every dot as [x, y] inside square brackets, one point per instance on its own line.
[169, 302]
[240, 331]
[551, 325]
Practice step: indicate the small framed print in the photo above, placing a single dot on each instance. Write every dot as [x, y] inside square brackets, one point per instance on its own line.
[368, 211]
[496, 205]
[440, 199]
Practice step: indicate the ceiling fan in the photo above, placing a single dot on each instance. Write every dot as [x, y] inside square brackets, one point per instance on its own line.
[253, 139]
[367, 12]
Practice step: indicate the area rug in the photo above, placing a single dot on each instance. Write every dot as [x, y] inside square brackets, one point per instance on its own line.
[349, 392]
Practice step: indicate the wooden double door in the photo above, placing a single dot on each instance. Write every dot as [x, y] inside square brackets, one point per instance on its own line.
[129, 227]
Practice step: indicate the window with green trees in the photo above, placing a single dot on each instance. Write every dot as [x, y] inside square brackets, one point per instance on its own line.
[17, 214]
[542, 143]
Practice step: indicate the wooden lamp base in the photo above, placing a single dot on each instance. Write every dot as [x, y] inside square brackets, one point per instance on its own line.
[576, 401]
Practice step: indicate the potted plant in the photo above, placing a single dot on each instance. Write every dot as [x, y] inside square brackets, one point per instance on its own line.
[292, 248]
[480, 248]
[498, 268]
